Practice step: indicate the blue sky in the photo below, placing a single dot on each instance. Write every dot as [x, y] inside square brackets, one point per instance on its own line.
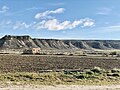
[61, 19]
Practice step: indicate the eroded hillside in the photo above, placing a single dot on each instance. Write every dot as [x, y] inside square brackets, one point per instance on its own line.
[21, 42]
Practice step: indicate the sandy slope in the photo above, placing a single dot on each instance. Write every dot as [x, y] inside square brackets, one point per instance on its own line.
[62, 87]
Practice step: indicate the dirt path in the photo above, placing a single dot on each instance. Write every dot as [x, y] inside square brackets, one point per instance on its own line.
[62, 87]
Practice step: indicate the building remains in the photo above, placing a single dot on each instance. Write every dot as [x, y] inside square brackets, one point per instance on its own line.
[32, 51]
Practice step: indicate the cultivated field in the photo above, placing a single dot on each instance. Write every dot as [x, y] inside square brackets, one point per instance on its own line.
[37, 63]
[18, 72]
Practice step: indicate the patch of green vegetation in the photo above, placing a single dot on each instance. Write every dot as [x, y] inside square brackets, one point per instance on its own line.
[115, 70]
[95, 76]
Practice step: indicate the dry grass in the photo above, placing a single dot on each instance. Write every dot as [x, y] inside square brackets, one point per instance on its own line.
[94, 76]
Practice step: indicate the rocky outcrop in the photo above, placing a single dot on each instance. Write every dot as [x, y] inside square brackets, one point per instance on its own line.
[21, 42]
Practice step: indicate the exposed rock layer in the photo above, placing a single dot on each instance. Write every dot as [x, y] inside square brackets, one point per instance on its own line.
[21, 42]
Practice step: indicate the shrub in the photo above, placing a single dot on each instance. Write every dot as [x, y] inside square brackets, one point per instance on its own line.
[116, 75]
[113, 74]
[59, 54]
[115, 70]
[113, 53]
[70, 54]
[109, 74]
[82, 76]
[97, 70]
[89, 72]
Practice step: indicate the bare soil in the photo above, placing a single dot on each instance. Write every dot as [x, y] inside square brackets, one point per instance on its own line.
[61, 87]
[37, 63]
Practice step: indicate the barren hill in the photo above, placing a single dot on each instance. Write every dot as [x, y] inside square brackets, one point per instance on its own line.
[21, 42]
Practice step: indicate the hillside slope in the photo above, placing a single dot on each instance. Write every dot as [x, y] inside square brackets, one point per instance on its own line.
[21, 42]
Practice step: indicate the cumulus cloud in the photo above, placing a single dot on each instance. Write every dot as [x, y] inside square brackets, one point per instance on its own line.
[88, 22]
[52, 23]
[55, 24]
[47, 13]
[4, 9]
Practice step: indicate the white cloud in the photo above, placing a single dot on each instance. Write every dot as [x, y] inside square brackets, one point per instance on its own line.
[54, 24]
[21, 25]
[33, 8]
[4, 9]
[59, 10]
[47, 13]
[88, 22]
[104, 11]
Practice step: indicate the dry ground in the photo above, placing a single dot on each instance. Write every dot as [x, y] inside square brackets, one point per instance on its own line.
[61, 87]
[32, 63]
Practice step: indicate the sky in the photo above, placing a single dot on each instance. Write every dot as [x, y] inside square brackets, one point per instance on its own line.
[61, 19]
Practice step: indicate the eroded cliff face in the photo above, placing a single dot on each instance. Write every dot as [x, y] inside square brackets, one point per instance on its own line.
[16, 42]
[21, 42]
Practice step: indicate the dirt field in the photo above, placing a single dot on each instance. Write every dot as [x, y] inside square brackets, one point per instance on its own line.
[39, 63]
[32, 63]
[62, 87]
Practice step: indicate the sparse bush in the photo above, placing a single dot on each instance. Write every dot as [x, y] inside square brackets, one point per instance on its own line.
[59, 54]
[67, 72]
[82, 76]
[116, 75]
[97, 70]
[70, 54]
[109, 74]
[115, 70]
[113, 74]
[28, 76]
[89, 72]
[113, 53]
[43, 53]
